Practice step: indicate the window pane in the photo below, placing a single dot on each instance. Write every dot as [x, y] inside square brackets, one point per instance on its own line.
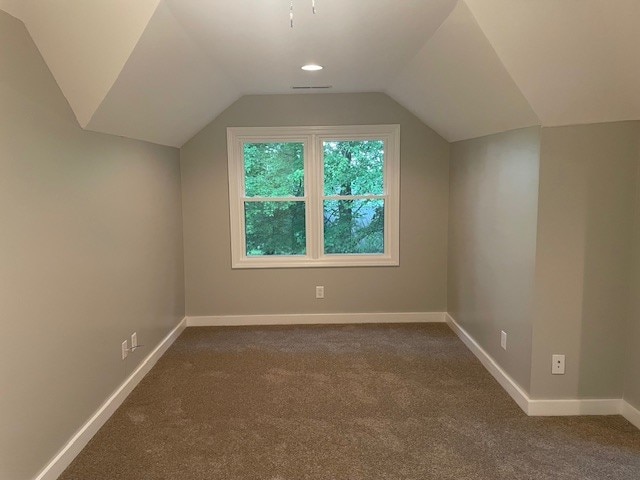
[275, 228]
[354, 226]
[354, 168]
[274, 169]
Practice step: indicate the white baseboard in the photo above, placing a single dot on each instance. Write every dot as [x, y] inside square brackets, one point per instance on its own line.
[631, 413]
[550, 407]
[567, 407]
[512, 388]
[75, 445]
[315, 319]
[531, 407]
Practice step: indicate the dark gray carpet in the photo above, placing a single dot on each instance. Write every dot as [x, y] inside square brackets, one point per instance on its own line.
[341, 402]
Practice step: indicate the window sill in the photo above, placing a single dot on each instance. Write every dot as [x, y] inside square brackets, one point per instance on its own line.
[331, 261]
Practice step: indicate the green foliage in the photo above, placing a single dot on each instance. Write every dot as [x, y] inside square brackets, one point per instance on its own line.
[276, 170]
[353, 168]
[354, 226]
[275, 228]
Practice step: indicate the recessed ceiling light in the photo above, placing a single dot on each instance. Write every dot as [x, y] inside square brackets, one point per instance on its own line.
[312, 67]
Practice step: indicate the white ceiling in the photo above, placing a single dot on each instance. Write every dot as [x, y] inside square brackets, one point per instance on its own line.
[168, 90]
[458, 86]
[160, 70]
[13, 7]
[575, 61]
[85, 43]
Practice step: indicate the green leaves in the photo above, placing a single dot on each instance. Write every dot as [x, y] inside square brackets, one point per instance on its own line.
[351, 169]
[352, 225]
[274, 169]
[354, 167]
[275, 228]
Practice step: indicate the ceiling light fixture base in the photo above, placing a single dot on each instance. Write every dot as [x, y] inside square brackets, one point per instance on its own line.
[313, 10]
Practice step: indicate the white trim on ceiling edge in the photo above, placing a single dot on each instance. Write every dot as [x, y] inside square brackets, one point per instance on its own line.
[80, 439]
[315, 319]
[551, 407]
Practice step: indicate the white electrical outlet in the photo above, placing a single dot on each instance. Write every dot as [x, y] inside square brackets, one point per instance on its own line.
[319, 291]
[557, 364]
[503, 339]
[134, 341]
[125, 349]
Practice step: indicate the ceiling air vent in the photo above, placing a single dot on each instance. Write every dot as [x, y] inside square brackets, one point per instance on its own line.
[305, 87]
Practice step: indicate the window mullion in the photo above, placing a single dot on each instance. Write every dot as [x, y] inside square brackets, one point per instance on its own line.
[321, 248]
[315, 219]
[309, 196]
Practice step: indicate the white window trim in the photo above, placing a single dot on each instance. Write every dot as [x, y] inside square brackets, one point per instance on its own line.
[312, 137]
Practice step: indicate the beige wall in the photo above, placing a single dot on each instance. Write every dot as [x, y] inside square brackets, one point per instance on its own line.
[419, 284]
[586, 281]
[90, 251]
[91, 248]
[587, 185]
[493, 205]
[632, 378]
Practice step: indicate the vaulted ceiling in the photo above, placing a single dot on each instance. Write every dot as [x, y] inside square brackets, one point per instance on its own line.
[160, 70]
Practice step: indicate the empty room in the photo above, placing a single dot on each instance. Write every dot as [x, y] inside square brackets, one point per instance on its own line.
[320, 239]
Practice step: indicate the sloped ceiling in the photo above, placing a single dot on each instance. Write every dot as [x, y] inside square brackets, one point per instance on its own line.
[574, 61]
[168, 90]
[85, 43]
[160, 70]
[13, 8]
[458, 86]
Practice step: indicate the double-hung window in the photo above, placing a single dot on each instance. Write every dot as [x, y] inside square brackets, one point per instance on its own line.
[314, 196]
